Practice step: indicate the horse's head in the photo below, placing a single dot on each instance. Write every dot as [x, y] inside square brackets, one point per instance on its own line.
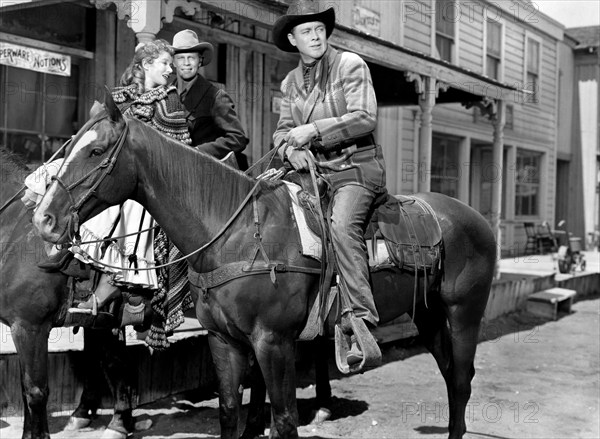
[90, 179]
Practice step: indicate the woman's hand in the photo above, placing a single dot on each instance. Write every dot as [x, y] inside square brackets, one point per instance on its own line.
[301, 135]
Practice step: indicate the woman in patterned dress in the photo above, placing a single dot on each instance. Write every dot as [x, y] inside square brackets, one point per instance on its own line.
[144, 94]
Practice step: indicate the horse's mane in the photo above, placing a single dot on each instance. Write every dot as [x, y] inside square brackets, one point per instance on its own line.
[233, 185]
[12, 162]
[12, 167]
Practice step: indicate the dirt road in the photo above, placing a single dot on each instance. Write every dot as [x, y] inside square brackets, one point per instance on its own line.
[535, 379]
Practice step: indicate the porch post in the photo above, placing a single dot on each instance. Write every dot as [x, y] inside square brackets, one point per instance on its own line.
[144, 17]
[426, 103]
[145, 20]
[498, 121]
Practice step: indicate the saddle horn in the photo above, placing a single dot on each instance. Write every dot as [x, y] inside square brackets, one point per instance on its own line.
[112, 109]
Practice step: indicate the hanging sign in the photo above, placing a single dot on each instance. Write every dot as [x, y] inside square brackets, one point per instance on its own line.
[15, 55]
[366, 20]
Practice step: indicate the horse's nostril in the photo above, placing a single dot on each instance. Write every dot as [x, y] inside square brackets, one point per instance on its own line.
[48, 221]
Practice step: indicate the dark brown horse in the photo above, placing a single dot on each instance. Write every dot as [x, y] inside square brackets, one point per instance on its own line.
[194, 196]
[32, 301]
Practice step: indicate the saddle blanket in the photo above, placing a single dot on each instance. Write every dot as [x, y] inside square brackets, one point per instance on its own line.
[311, 242]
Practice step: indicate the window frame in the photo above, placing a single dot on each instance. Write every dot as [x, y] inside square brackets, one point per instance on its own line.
[501, 57]
[536, 207]
[535, 97]
[452, 38]
[453, 143]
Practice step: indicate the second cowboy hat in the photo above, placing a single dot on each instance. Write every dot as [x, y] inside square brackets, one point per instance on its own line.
[187, 41]
[301, 11]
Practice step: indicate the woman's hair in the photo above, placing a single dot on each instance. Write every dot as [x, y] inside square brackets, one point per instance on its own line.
[149, 51]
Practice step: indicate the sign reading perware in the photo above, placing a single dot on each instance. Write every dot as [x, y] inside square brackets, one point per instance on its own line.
[15, 55]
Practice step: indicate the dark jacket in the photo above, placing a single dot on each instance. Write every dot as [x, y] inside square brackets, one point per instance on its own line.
[213, 122]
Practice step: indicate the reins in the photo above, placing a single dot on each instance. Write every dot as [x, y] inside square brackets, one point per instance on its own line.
[204, 247]
[106, 165]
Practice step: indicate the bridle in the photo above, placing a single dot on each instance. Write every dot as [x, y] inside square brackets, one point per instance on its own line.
[105, 167]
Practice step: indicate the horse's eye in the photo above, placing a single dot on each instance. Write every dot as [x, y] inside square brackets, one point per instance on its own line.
[96, 152]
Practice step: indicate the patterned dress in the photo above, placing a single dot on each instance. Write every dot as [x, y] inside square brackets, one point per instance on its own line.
[161, 109]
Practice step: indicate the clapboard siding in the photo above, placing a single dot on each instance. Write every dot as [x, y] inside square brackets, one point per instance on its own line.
[514, 53]
[455, 112]
[471, 40]
[417, 26]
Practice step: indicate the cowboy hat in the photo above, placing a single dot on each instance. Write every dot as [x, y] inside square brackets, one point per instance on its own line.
[187, 41]
[300, 11]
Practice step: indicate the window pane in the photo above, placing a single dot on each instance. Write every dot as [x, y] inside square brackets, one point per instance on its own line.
[444, 47]
[533, 55]
[527, 183]
[61, 103]
[60, 23]
[492, 67]
[445, 170]
[493, 38]
[24, 99]
[446, 13]
[532, 86]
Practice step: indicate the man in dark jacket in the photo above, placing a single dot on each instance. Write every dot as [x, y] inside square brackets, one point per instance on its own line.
[212, 120]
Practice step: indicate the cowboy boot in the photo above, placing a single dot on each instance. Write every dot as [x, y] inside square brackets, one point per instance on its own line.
[104, 293]
[354, 355]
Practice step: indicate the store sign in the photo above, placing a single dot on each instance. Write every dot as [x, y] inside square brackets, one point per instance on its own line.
[366, 20]
[15, 55]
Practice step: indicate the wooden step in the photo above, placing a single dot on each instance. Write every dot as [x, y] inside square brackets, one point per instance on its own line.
[551, 302]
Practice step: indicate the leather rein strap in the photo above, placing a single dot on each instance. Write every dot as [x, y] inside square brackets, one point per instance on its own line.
[106, 167]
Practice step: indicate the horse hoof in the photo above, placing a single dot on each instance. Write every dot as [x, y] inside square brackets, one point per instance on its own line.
[321, 415]
[109, 433]
[76, 423]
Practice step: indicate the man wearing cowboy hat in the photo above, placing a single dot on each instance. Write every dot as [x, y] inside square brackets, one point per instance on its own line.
[329, 110]
[212, 120]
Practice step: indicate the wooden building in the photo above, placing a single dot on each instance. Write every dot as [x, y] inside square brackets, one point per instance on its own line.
[466, 90]
[578, 142]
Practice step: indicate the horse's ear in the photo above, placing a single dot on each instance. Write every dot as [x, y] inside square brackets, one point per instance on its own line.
[97, 107]
[112, 109]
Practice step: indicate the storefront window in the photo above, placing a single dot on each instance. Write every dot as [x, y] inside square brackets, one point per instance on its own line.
[39, 111]
[445, 168]
[64, 23]
[527, 189]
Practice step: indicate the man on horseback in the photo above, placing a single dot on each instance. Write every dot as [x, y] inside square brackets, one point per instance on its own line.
[328, 114]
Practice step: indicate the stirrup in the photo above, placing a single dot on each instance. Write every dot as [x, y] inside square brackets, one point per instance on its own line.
[371, 354]
[93, 311]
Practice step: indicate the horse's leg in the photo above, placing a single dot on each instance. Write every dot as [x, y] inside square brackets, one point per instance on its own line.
[119, 377]
[255, 421]
[464, 331]
[322, 385]
[31, 342]
[230, 364]
[453, 348]
[277, 361]
[92, 377]
[432, 324]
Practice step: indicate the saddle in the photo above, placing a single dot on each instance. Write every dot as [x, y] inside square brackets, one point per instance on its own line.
[412, 239]
[407, 225]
